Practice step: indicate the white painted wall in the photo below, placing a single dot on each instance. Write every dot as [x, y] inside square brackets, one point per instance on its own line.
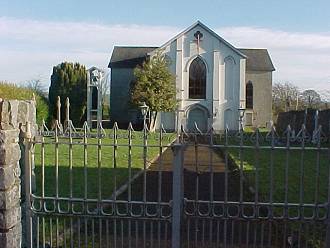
[225, 74]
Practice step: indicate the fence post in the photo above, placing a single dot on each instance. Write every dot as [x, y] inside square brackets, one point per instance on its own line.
[177, 194]
[28, 184]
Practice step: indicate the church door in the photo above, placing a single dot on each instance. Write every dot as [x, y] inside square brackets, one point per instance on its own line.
[199, 117]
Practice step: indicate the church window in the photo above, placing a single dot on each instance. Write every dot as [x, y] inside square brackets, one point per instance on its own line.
[197, 79]
[249, 95]
[229, 78]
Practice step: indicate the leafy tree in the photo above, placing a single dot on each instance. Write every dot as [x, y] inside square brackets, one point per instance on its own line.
[154, 84]
[69, 80]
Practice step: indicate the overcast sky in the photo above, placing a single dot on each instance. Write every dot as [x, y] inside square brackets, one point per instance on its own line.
[36, 35]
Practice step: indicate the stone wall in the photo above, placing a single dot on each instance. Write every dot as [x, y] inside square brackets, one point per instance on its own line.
[13, 117]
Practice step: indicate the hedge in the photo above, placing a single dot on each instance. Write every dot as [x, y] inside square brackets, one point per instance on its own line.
[11, 91]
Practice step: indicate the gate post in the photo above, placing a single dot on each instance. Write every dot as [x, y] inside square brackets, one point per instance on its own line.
[10, 210]
[13, 116]
[177, 194]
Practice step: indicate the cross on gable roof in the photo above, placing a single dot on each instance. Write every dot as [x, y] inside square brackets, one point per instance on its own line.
[129, 57]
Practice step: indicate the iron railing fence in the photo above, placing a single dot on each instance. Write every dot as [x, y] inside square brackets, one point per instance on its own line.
[272, 190]
[115, 188]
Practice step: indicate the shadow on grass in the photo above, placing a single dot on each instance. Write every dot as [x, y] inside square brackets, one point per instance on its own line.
[81, 182]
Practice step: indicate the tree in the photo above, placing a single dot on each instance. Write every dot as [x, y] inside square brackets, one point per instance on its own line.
[69, 80]
[155, 85]
[285, 97]
[311, 99]
[326, 99]
[36, 85]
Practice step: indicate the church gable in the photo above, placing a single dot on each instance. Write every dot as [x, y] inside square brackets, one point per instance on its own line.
[199, 37]
[130, 57]
[210, 73]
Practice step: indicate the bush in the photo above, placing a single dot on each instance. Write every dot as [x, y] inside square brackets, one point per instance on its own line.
[10, 91]
[69, 80]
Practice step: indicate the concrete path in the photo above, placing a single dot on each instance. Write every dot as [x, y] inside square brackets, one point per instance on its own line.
[196, 159]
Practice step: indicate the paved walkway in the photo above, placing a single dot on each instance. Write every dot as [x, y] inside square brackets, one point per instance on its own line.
[195, 159]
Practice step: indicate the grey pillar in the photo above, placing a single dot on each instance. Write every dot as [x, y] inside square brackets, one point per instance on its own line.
[177, 193]
[13, 114]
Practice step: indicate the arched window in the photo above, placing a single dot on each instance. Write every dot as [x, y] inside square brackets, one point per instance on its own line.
[249, 95]
[197, 79]
[229, 78]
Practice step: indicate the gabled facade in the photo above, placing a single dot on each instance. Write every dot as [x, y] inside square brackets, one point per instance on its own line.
[212, 80]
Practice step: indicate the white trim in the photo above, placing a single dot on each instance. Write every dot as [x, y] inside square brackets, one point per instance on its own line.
[197, 106]
[191, 59]
[207, 29]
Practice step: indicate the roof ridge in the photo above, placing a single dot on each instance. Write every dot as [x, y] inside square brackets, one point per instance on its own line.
[251, 48]
[137, 46]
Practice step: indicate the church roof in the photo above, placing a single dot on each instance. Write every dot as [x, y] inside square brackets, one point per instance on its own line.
[257, 60]
[125, 56]
[129, 57]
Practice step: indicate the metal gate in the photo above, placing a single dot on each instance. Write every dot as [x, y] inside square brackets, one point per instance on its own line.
[114, 188]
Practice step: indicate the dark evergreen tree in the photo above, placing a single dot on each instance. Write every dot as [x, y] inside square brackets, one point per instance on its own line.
[69, 80]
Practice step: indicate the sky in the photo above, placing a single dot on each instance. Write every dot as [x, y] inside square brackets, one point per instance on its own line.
[35, 35]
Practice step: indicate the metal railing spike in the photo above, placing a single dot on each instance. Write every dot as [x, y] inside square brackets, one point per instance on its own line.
[183, 135]
[58, 106]
[115, 126]
[258, 136]
[210, 129]
[252, 137]
[101, 133]
[145, 128]
[272, 134]
[42, 127]
[86, 129]
[288, 135]
[67, 111]
[162, 129]
[197, 129]
[85, 124]
[130, 127]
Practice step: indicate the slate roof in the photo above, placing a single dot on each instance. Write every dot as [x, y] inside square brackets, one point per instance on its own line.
[123, 56]
[257, 60]
[129, 57]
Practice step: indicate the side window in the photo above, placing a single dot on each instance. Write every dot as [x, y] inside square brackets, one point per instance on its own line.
[249, 95]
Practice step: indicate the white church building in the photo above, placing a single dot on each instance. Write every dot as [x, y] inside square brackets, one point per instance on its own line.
[214, 80]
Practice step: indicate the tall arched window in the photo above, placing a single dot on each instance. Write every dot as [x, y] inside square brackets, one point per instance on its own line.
[197, 79]
[249, 95]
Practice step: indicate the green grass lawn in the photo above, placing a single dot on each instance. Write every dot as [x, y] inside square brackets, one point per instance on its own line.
[102, 177]
[258, 168]
[262, 171]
